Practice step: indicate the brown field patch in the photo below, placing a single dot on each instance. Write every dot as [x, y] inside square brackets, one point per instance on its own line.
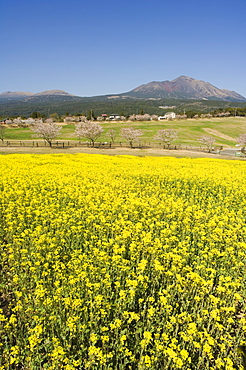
[219, 134]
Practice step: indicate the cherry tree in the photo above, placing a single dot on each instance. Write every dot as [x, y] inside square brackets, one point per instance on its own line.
[142, 117]
[82, 119]
[132, 117]
[242, 141]
[167, 136]
[112, 134]
[47, 131]
[89, 130]
[2, 132]
[154, 117]
[208, 141]
[131, 134]
[100, 118]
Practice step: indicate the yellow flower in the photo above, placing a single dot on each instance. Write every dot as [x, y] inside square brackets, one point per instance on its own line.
[184, 354]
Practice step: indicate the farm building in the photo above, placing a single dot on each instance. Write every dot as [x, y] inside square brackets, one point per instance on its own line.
[169, 115]
[114, 117]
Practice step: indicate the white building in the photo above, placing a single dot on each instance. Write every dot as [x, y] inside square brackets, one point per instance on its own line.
[168, 115]
[114, 117]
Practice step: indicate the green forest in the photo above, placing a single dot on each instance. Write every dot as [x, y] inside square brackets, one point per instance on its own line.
[105, 105]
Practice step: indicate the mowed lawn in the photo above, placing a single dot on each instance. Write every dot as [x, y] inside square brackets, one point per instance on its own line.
[224, 130]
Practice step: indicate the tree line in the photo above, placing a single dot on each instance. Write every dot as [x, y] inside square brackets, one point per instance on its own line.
[125, 107]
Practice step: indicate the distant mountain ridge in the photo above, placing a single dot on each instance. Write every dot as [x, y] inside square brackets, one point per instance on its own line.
[184, 87]
[15, 95]
[26, 95]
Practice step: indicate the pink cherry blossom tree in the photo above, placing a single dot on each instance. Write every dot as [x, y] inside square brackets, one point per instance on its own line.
[167, 136]
[47, 131]
[242, 141]
[2, 132]
[89, 130]
[131, 134]
[112, 134]
[208, 141]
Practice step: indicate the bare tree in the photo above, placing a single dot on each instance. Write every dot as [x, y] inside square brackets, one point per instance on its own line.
[167, 136]
[112, 134]
[131, 134]
[208, 141]
[89, 130]
[47, 131]
[2, 132]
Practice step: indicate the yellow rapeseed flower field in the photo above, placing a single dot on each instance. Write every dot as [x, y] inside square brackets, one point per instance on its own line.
[122, 263]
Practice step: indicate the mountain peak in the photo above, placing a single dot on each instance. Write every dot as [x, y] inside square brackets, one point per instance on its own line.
[184, 87]
[182, 77]
[53, 92]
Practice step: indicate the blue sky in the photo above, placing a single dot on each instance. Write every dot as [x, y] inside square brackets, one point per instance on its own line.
[98, 47]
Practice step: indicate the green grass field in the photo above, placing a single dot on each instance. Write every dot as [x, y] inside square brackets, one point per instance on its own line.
[224, 130]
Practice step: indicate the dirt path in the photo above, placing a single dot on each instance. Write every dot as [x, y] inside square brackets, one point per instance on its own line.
[219, 134]
[118, 151]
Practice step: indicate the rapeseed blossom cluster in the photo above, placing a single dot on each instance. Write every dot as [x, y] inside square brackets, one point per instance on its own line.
[122, 262]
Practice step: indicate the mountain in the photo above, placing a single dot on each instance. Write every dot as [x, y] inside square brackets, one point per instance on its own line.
[184, 87]
[185, 93]
[54, 92]
[9, 95]
[26, 96]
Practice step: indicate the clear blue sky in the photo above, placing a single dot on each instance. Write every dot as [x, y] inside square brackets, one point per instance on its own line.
[98, 47]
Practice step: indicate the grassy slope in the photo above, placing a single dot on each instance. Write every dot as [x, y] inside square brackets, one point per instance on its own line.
[189, 130]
